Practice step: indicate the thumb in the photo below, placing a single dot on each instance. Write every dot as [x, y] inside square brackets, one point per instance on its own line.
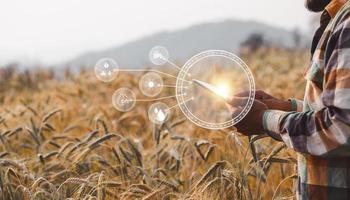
[237, 101]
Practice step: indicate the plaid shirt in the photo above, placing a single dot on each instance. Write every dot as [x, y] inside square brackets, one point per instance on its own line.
[319, 127]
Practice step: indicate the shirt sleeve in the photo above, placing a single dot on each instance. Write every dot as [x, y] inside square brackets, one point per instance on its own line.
[325, 132]
[297, 105]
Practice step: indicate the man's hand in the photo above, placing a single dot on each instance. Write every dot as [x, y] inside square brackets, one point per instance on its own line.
[251, 124]
[272, 103]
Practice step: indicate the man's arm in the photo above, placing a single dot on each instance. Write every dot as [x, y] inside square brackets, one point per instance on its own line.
[296, 105]
[325, 132]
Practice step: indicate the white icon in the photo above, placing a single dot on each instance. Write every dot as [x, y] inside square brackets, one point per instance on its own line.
[106, 65]
[106, 69]
[158, 113]
[123, 99]
[159, 55]
[151, 84]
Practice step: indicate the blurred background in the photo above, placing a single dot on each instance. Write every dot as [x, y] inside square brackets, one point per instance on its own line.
[78, 33]
[61, 137]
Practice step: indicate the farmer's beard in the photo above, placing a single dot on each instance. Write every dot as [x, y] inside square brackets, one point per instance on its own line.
[316, 5]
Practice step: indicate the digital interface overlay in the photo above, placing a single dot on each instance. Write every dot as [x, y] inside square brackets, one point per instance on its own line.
[202, 87]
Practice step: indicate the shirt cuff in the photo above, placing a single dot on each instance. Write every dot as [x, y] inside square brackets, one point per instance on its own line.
[272, 125]
[271, 120]
[297, 105]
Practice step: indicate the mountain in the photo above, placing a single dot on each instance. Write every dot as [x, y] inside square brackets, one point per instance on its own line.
[183, 44]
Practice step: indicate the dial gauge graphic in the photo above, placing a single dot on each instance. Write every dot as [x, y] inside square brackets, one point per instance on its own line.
[205, 83]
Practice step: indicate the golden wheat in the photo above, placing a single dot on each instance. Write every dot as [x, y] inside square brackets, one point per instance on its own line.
[62, 139]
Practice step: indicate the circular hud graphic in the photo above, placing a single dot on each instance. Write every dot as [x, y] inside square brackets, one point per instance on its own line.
[205, 83]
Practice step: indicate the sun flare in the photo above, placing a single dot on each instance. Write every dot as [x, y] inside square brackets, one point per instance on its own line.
[223, 90]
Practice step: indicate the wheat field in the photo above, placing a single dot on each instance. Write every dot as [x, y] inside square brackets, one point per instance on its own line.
[62, 139]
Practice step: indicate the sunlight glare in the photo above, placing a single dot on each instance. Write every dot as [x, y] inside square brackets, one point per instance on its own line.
[223, 90]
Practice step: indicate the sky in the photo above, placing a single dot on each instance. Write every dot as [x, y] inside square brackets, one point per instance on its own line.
[51, 32]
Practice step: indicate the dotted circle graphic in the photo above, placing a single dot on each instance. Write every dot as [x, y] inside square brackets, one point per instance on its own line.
[124, 99]
[180, 89]
[151, 84]
[158, 113]
[106, 69]
[159, 55]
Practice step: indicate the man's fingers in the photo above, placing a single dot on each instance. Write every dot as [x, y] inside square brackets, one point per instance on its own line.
[269, 102]
[259, 94]
[237, 101]
[235, 111]
[242, 94]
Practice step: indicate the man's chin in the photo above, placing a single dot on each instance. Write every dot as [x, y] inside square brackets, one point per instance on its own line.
[316, 5]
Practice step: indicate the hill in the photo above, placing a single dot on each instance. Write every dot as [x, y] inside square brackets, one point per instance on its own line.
[182, 44]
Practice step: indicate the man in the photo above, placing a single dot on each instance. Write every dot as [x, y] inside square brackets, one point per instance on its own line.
[318, 128]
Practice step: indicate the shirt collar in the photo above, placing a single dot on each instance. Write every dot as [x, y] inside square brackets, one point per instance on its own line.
[334, 6]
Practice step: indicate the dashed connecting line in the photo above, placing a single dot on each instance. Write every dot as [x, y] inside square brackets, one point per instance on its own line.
[161, 98]
[151, 85]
